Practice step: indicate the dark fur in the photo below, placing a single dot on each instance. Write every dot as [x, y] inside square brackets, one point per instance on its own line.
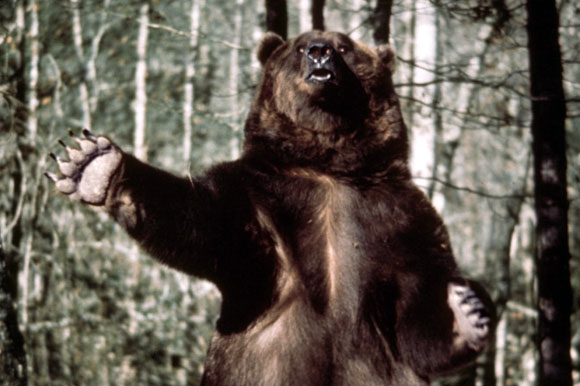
[333, 266]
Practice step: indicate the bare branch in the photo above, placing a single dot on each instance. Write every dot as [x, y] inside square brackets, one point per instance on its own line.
[186, 34]
[475, 191]
[522, 308]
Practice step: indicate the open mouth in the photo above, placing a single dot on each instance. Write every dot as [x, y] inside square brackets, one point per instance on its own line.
[320, 75]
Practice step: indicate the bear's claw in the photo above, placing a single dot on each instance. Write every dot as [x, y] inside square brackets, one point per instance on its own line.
[86, 174]
[472, 321]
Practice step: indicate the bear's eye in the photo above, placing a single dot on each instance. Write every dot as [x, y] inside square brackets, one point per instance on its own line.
[300, 49]
[342, 49]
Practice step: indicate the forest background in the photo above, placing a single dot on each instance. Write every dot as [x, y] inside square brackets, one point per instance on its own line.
[171, 81]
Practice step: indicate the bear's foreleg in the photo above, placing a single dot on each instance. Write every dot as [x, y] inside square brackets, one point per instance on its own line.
[176, 220]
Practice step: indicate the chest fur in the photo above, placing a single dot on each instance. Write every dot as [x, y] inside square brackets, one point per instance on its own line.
[315, 234]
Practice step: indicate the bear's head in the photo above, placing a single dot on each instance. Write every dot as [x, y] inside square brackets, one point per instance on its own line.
[326, 102]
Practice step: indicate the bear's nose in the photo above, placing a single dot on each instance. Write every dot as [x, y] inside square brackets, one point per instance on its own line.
[319, 52]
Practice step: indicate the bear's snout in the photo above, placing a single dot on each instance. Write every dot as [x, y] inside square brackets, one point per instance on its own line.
[319, 52]
[321, 58]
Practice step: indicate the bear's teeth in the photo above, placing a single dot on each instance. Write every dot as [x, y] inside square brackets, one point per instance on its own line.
[321, 74]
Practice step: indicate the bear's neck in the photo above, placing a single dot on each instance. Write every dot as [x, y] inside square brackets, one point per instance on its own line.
[361, 154]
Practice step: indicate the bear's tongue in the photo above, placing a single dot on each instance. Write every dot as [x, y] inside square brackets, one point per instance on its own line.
[320, 75]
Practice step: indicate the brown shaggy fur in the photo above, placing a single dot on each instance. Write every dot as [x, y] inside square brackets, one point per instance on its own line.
[333, 266]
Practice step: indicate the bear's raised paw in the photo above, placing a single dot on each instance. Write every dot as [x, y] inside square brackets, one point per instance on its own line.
[472, 320]
[86, 174]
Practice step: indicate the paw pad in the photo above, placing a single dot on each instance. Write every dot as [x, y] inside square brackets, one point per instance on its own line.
[86, 173]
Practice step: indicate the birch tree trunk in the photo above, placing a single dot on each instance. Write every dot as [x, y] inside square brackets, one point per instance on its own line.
[422, 133]
[25, 221]
[188, 90]
[551, 200]
[234, 79]
[78, 44]
[436, 107]
[88, 86]
[356, 20]
[504, 219]
[410, 110]
[140, 104]
[91, 68]
[32, 27]
[467, 100]
[304, 18]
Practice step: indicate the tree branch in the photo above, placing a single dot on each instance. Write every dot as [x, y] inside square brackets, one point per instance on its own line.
[475, 191]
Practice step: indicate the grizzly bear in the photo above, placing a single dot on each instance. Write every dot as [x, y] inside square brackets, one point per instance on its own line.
[334, 268]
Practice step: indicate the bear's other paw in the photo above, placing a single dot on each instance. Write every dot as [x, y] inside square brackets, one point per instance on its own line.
[87, 173]
[472, 321]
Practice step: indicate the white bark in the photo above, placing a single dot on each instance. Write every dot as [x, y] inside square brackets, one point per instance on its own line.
[78, 43]
[91, 67]
[304, 18]
[234, 80]
[140, 104]
[422, 138]
[33, 64]
[411, 94]
[77, 29]
[88, 87]
[57, 106]
[32, 28]
[24, 277]
[436, 197]
[188, 93]
[257, 34]
[356, 20]
[20, 20]
[500, 347]
[24, 280]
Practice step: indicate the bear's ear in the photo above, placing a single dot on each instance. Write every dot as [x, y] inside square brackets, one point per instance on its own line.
[269, 43]
[386, 56]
